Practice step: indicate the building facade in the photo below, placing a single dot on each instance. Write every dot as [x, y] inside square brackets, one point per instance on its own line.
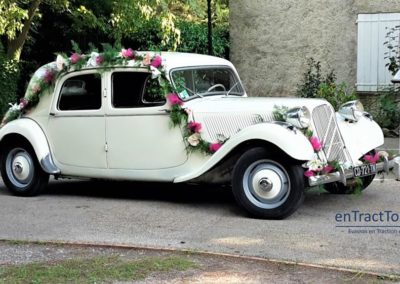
[272, 40]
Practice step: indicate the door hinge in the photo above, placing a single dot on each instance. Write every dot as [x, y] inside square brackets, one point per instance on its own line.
[105, 92]
[106, 147]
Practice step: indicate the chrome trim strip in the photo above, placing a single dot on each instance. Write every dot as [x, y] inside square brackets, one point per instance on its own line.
[48, 165]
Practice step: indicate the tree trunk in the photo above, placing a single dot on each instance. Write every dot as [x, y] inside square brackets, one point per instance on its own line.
[14, 46]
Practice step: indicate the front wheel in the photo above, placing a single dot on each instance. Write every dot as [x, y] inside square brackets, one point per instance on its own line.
[267, 187]
[21, 171]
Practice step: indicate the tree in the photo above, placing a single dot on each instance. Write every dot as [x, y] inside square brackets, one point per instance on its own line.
[17, 19]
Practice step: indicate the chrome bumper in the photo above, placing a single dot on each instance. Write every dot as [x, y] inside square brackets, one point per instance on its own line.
[344, 174]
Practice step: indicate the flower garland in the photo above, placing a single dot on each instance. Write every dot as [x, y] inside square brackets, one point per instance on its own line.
[316, 166]
[46, 76]
[192, 132]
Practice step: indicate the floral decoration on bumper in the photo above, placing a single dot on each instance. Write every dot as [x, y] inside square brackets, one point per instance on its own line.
[316, 166]
[179, 116]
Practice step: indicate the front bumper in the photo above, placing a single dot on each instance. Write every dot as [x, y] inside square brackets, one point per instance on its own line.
[344, 174]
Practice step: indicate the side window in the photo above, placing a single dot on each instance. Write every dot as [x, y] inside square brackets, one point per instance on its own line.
[81, 92]
[135, 89]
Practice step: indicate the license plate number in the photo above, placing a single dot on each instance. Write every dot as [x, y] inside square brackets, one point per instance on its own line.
[364, 170]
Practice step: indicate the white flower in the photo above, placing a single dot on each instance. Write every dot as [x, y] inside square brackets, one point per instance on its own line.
[194, 139]
[60, 62]
[383, 154]
[92, 60]
[15, 107]
[155, 73]
[132, 63]
[316, 165]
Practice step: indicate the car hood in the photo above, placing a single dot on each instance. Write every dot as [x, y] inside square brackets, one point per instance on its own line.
[223, 117]
[248, 104]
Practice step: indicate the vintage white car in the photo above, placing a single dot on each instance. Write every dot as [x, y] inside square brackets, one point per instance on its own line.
[174, 117]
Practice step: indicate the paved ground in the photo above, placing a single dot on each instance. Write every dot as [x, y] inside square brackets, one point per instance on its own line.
[207, 219]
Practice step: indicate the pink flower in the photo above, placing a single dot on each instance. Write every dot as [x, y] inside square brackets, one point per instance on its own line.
[128, 53]
[48, 77]
[194, 126]
[173, 99]
[36, 89]
[327, 169]
[316, 144]
[23, 103]
[99, 60]
[214, 147]
[309, 173]
[372, 158]
[156, 62]
[75, 57]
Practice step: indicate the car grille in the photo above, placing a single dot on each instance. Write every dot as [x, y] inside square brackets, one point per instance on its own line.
[327, 131]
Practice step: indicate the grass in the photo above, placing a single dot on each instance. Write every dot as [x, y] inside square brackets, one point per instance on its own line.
[92, 270]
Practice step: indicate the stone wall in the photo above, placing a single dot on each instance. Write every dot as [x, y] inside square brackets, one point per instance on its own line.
[272, 39]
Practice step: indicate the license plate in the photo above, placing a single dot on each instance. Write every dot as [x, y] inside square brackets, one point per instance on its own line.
[364, 170]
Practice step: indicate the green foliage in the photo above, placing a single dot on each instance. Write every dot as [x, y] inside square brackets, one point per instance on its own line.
[178, 115]
[194, 39]
[317, 85]
[393, 49]
[93, 270]
[336, 95]
[9, 75]
[386, 112]
[11, 18]
[313, 78]
[279, 113]
[387, 109]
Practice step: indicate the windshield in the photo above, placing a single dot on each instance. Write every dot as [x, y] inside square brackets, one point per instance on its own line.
[206, 81]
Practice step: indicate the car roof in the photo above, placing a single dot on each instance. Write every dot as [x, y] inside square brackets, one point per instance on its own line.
[173, 60]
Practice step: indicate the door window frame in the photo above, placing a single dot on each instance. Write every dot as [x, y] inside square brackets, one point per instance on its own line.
[55, 111]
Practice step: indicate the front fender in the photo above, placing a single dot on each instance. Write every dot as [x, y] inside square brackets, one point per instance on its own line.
[294, 144]
[32, 132]
[360, 137]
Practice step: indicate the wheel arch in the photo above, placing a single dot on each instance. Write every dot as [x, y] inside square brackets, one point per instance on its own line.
[220, 172]
[28, 131]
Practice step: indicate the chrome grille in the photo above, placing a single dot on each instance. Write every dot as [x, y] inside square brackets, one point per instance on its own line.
[327, 131]
[224, 125]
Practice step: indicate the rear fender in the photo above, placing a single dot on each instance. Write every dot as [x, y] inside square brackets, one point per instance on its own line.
[33, 133]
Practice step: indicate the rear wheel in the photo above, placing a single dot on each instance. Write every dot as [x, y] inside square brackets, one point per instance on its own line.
[266, 186]
[21, 171]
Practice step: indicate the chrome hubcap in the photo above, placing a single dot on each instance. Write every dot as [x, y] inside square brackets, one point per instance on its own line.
[266, 184]
[19, 167]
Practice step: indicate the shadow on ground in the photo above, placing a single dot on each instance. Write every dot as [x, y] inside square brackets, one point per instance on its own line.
[176, 193]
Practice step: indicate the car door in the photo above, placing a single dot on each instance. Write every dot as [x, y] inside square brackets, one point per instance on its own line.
[138, 132]
[77, 125]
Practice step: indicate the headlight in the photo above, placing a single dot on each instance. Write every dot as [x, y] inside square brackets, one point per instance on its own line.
[352, 110]
[299, 117]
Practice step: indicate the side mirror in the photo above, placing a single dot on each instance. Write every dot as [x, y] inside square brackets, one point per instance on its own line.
[396, 78]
